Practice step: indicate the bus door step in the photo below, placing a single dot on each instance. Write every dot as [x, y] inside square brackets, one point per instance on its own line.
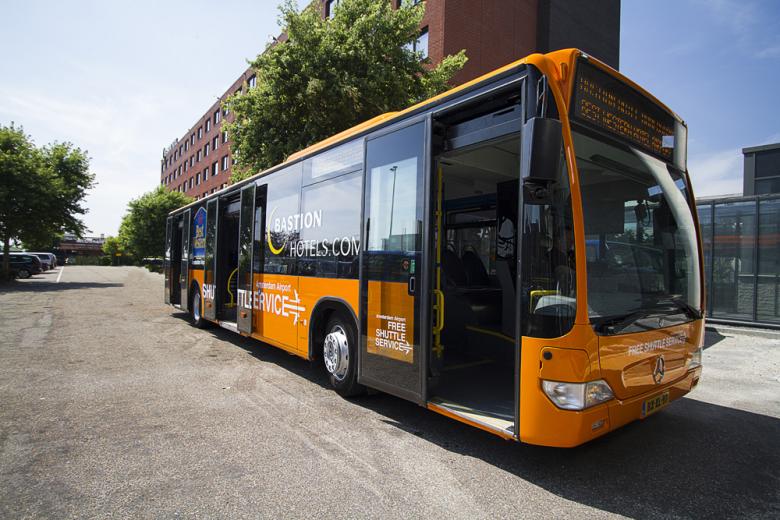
[229, 325]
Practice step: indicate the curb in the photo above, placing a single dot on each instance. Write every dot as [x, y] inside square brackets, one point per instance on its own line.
[730, 330]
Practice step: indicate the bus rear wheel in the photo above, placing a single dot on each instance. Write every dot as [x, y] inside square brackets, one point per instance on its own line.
[196, 310]
[339, 354]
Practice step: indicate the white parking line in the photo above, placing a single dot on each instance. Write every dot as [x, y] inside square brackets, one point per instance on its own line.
[60, 275]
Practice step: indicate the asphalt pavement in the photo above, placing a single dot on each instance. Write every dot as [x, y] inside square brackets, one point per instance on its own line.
[113, 406]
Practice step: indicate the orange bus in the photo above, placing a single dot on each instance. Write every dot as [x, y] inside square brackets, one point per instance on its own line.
[520, 253]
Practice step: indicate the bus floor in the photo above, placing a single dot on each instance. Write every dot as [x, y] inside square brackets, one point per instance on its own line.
[480, 389]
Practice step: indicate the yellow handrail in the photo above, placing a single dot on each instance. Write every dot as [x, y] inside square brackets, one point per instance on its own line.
[232, 302]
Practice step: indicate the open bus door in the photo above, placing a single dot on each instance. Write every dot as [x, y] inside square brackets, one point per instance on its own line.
[245, 242]
[210, 261]
[184, 273]
[167, 259]
[394, 301]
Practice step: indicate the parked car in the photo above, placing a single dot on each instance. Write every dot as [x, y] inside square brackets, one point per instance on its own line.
[50, 256]
[23, 265]
[46, 262]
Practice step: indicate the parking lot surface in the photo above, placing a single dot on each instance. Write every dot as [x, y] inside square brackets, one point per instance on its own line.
[112, 405]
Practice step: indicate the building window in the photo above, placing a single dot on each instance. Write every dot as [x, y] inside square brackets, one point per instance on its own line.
[214, 169]
[206, 150]
[192, 161]
[215, 143]
[192, 138]
[200, 132]
[216, 116]
[421, 44]
[224, 137]
[185, 165]
[190, 183]
[208, 125]
[206, 173]
[252, 81]
[225, 111]
[181, 150]
[186, 145]
[330, 8]
[198, 155]
[197, 179]
[224, 163]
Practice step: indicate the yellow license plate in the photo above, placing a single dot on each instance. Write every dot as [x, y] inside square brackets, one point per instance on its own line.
[652, 405]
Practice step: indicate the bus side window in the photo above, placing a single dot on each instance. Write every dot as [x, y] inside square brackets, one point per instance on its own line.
[330, 237]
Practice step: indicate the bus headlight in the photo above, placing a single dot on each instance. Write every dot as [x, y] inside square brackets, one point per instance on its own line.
[695, 359]
[577, 396]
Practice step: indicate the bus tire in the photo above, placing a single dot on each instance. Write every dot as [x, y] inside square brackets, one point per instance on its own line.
[339, 354]
[196, 308]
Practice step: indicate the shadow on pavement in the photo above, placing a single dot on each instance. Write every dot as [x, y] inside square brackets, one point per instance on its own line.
[712, 338]
[693, 459]
[40, 286]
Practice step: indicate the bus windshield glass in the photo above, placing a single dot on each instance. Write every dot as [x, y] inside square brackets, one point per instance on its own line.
[641, 245]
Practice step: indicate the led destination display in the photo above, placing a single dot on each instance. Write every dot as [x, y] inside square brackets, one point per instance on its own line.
[612, 106]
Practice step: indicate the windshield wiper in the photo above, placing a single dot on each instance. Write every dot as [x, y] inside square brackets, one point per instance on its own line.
[679, 304]
[617, 322]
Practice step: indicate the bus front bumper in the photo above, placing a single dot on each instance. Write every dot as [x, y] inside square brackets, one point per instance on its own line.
[622, 412]
[548, 425]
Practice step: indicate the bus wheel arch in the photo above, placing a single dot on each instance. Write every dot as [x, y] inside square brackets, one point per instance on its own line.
[334, 321]
[196, 306]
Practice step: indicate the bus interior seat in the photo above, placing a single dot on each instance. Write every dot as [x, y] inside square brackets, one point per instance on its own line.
[475, 269]
[470, 304]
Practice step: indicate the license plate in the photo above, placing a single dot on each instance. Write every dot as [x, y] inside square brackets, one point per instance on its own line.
[652, 405]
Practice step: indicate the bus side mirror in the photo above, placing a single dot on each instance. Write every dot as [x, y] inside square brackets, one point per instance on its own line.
[540, 154]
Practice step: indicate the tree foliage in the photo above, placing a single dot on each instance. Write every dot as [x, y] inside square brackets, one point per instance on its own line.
[330, 75]
[113, 248]
[142, 232]
[41, 190]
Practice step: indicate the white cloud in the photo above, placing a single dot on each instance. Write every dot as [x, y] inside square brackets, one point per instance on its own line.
[769, 52]
[739, 16]
[718, 173]
[121, 134]
[721, 172]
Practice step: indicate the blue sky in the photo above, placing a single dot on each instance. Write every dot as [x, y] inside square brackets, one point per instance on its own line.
[124, 79]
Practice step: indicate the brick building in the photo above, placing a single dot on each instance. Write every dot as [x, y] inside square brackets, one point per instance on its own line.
[493, 32]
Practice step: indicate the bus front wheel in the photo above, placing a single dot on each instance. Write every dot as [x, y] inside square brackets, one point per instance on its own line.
[339, 353]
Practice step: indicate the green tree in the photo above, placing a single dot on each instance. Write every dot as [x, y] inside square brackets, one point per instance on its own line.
[42, 243]
[41, 190]
[113, 248]
[329, 75]
[142, 232]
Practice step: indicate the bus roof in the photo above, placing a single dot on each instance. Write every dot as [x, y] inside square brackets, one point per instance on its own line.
[556, 64]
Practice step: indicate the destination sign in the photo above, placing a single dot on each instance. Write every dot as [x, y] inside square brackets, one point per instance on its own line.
[608, 104]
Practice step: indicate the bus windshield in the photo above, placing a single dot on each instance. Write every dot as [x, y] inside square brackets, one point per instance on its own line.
[641, 245]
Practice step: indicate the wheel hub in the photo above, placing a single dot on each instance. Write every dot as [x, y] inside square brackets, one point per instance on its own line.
[336, 353]
[196, 307]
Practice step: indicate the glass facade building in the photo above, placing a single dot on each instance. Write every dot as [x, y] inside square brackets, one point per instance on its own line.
[741, 241]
